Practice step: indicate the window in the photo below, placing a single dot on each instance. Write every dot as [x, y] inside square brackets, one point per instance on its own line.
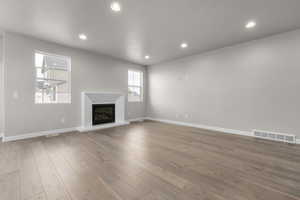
[52, 79]
[135, 86]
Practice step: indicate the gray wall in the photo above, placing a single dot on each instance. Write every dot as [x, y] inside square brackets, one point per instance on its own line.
[254, 85]
[90, 72]
[1, 85]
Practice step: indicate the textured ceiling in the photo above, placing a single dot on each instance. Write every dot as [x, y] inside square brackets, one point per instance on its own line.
[154, 27]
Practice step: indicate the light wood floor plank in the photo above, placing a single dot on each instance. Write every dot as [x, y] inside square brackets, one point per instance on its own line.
[10, 186]
[53, 186]
[9, 161]
[31, 185]
[149, 161]
[80, 185]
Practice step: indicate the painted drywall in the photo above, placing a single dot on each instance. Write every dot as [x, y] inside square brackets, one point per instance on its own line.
[1, 86]
[90, 72]
[250, 86]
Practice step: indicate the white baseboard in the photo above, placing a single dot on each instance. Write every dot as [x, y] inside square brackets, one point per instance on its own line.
[140, 119]
[94, 128]
[37, 134]
[59, 131]
[211, 128]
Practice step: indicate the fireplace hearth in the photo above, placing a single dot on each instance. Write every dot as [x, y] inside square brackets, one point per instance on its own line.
[103, 113]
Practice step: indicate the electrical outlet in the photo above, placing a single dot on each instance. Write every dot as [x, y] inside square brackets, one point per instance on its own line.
[177, 115]
[186, 116]
[62, 120]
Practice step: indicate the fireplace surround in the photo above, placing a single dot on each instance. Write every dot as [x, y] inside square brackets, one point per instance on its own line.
[93, 100]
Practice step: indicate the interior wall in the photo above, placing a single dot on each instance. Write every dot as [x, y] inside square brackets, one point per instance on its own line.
[1, 86]
[250, 86]
[90, 72]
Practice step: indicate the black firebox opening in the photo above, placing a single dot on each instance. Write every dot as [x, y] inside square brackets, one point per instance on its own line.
[103, 113]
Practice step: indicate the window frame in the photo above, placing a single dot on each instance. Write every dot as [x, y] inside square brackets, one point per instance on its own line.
[69, 60]
[135, 86]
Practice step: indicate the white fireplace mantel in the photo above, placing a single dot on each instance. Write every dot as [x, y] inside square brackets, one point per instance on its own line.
[90, 98]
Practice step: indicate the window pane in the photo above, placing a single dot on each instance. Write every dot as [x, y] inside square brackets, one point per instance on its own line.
[137, 79]
[134, 78]
[39, 59]
[131, 78]
[134, 93]
[39, 73]
[52, 79]
[135, 85]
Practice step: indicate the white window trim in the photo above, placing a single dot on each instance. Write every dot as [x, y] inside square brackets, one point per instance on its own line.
[141, 86]
[68, 58]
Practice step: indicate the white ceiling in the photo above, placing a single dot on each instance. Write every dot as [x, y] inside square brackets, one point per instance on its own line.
[154, 27]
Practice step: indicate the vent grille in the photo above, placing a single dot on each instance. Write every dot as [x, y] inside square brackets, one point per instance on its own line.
[281, 137]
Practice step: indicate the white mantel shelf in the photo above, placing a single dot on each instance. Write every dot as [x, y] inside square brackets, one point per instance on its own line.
[90, 98]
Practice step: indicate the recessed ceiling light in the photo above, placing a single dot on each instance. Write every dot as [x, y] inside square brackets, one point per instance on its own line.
[184, 45]
[147, 57]
[82, 36]
[115, 6]
[250, 24]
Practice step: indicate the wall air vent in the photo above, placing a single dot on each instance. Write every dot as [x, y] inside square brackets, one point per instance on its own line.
[280, 137]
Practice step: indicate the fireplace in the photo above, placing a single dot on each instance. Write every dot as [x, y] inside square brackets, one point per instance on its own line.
[101, 110]
[103, 113]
